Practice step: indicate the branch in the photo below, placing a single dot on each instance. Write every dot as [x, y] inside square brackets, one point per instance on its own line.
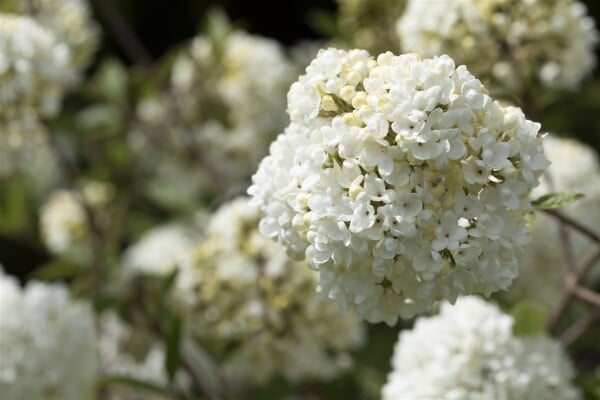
[587, 295]
[594, 236]
[127, 39]
[578, 329]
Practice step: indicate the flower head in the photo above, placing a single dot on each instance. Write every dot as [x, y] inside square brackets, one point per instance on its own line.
[244, 295]
[502, 40]
[400, 180]
[468, 351]
[47, 342]
[71, 23]
[34, 70]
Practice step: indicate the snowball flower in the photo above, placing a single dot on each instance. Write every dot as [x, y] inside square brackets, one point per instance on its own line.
[400, 180]
[47, 343]
[159, 249]
[258, 308]
[575, 167]
[513, 43]
[71, 23]
[224, 106]
[468, 352]
[63, 221]
[34, 69]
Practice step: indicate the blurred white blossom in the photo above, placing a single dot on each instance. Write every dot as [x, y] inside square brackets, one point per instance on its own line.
[400, 180]
[468, 352]
[34, 71]
[70, 21]
[224, 105]
[47, 343]
[157, 252]
[512, 42]
[246, 299]
[63, 221]
[574, 168]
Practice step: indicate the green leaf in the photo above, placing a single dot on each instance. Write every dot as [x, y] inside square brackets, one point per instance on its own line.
[55, 270]
[132, 382]
[530, 318]
[14, 206]
[556, 200]
[530, 219]
[169, 281]
[173, 358]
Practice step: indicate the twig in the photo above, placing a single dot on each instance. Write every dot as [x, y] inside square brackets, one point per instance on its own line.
[122, 32]
[574, 224]
[577, 329]
[589, 262]
[68, 173]
[587, 295]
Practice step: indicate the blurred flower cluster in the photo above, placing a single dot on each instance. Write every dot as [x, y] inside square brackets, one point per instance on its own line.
[378, 212]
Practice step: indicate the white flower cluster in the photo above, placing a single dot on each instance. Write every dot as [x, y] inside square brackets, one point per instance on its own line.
[468, 352]
[28, 156]
[249, 299]
[512, 42]
[34, 71]
[227, 96]
[157, 252]
[117, 351]
[400, 180]
[71, 23]
[63, 221]
[575, 167]
[47, 343]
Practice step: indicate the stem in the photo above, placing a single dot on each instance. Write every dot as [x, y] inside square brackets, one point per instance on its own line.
[131, 45]
[595, 237]
[578, 329]
[587, 295]
[69, 175]
[573, 289]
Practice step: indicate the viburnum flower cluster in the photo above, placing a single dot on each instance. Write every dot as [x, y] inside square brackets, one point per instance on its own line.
[63, 221]
[468, 351]
[70, 21]
[257, 308]
[575, 167]
[227, 95]
[34, 71]
[400, 180]
[513, 43]
[47, 343]
[157, 252]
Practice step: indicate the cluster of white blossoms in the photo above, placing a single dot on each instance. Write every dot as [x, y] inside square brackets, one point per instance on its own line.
[575, 168]
[119, 351]
[34, 71]
[511, 42]
[47, 343]
[157, 252]
[468, 352]
[70, 21]
[63, 221]
[29, 157]
[400, 180]
[249, 301]
[225, 95]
